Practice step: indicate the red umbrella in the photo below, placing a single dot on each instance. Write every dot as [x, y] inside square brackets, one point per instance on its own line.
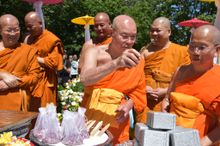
[193, 23]
[37, 4]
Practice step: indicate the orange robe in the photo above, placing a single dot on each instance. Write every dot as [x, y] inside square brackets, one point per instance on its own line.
[206, 89]
[129, 82]
[21, 62]
[50, 48]
[105, 42]
[159, 68]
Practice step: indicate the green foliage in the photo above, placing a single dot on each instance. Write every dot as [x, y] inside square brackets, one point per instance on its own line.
[58, 17]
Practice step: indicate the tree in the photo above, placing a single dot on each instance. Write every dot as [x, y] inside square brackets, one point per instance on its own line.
[58, 17]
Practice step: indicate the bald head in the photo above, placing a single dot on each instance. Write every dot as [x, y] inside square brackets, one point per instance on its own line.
[10, 30]
[32, 16]
[8, 19]
[208, 32]
[33, 24]
[102, 16]
[163, 21]
[123, 20]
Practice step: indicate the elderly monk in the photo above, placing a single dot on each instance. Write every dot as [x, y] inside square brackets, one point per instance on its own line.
[194, 94]
[50, 51]
[18, 67]
[162, 57]
[103, 29]
[114, 78]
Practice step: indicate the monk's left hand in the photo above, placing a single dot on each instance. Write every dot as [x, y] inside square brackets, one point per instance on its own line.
[123, 111]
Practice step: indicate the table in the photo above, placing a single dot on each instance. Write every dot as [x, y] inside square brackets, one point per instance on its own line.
[16, 121]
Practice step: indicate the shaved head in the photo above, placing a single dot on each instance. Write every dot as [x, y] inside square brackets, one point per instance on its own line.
[32, 16]
[8, 19]
[163, 21]
[102, 27]
[33, 24]
[208, 31]
[122, 20]
[10, 30]
[103, 16]
[124, 34]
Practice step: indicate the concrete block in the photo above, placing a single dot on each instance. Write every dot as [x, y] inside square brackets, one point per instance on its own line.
[138, 128]
[184, 137]
[159, 120]
[150, 137]
[136, 142]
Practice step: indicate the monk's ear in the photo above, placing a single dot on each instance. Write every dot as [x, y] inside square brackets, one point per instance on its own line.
[169, 31]
[217, 47]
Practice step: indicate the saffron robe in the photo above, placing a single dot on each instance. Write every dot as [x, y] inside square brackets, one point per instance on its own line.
[50, 48]
[206, 89]
[127, 82]
[105, 42]
[159, 68]
[21, 62]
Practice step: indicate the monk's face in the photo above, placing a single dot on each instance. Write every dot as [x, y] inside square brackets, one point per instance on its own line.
[159, 34]
[124, 36]
[33, 26]
[202, 49]
[102, 27]
[10, 32]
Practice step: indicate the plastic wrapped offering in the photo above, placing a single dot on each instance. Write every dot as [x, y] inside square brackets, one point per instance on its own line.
[74, 127]
[47, 128]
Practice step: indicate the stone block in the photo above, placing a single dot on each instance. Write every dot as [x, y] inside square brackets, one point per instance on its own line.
[138, 128]
[159, 120]
[150, 137]
[184, 137]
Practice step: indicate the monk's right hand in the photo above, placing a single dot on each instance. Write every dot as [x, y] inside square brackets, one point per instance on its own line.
[129, 58]
[10, 80]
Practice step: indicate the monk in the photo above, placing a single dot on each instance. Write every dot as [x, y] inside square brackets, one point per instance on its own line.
[103, 30]
[194, 94]
[19, 68]
[50, 51]
[114, 77]
[162, 57]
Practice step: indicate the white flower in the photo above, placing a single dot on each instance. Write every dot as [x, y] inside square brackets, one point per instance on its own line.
[73, 103]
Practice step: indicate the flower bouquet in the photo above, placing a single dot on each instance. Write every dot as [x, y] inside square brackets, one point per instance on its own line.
[7, 139]
[70, 96]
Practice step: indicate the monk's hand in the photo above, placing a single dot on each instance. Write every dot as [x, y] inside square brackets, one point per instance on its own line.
[40, 60]
[206, 141]
[3, 86]
[9, 79]
[151, 94]
[123, 111]
[161, 92]
[129, 58]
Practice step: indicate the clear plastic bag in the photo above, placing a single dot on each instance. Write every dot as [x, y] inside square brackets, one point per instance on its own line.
[47, 128]
[40, 127]
[74, 127]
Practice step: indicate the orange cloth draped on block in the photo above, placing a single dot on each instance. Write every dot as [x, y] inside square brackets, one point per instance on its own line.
[159, 68]
[21, 62]
[202, 109]
[102, 99]
[50, 48]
